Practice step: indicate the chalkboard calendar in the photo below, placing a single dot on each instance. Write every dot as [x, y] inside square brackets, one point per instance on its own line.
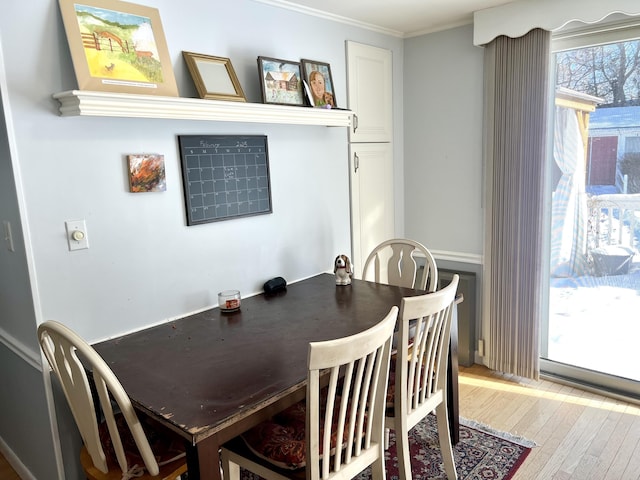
[224, 176]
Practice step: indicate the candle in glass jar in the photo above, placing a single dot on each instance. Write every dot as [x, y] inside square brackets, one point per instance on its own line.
[229, 300]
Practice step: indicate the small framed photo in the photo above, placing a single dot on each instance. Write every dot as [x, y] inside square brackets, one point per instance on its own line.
[118, 47]
[280, 81]
[317, 76]
[214, 77]
[146, 173]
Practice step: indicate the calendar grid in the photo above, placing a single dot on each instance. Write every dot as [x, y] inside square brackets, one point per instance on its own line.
[224, 176]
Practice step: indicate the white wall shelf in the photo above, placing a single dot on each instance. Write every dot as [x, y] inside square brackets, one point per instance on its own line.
[106, 104]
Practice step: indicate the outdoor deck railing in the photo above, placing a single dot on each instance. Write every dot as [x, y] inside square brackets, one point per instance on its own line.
[616, 220]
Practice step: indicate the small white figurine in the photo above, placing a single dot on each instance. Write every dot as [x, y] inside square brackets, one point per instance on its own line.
[342, 270]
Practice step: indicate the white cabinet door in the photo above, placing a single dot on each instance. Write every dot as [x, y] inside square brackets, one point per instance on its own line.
[369, 92]
[372, 207]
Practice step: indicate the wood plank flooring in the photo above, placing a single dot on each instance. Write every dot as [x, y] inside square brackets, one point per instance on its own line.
[6, 472]
[580, 435]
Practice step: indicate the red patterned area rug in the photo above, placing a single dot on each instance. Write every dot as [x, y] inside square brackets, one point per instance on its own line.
[481, 454]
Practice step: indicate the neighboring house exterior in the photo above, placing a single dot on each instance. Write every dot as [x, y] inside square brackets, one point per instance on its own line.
[613, 133]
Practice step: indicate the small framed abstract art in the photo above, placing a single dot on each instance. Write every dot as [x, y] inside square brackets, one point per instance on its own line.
[146, 173]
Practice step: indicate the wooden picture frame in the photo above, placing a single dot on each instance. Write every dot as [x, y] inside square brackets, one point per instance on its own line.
[317, 76]
[214, 77]
[280, 81]
[225, 177]
[118, 47]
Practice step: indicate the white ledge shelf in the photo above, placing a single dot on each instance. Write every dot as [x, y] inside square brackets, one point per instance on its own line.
[107, 104]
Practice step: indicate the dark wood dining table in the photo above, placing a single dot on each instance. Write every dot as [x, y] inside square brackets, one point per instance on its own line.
[212, 375]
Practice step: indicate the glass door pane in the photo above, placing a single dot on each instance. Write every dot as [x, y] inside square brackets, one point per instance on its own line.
[594, 279]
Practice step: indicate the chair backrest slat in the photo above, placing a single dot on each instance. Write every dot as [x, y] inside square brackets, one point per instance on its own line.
[361, 362]
[423, 365]
[395, 262]
[420, 379]
[70, 357]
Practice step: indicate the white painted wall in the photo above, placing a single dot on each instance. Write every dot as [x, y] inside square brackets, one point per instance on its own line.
[145, 265]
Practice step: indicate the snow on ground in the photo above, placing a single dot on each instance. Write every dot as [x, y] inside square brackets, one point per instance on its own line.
[594, 322]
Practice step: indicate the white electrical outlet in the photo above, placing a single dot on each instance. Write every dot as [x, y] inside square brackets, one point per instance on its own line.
[77, 236]
[481, 348]
[8, 237]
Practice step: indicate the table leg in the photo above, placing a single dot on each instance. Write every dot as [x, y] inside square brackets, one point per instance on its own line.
[203, 460]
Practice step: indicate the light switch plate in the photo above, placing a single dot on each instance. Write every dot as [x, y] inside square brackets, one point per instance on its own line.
[77, 236]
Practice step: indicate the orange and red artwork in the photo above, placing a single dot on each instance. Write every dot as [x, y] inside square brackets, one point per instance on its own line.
[146, 173]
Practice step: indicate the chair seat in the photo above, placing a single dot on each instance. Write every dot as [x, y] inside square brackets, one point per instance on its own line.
[281, 440]
[169, 471]
[167, 446]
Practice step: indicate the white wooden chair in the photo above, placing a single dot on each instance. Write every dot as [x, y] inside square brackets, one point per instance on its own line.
[418, 381]
[337, 431]
[119, 447]
[394, 262]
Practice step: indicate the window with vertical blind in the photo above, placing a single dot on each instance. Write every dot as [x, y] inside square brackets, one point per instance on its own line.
[601, 60]
[516, 92]
[510, 335]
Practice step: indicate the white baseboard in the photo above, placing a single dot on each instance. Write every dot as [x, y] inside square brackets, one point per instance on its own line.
[15, 462]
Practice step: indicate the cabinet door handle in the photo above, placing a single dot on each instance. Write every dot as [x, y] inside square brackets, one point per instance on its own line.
[356, 163]
[355, 122]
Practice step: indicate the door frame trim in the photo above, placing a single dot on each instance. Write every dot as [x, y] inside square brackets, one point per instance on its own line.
[605, 384]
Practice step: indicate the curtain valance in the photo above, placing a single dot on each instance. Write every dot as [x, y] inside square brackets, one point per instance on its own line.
[517, 18]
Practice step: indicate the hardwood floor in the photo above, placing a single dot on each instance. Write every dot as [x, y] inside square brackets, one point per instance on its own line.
[580, 435]
[6, 472]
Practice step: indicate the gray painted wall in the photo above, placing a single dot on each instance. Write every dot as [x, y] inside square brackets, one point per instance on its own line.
[443, 141]
[443, 111]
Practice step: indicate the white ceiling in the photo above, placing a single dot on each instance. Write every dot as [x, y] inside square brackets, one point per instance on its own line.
[403, 18]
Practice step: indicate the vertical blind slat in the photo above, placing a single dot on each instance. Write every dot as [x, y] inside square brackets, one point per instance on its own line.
[516, 167]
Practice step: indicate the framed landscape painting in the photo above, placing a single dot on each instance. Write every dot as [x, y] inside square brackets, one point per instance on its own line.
[280, 81]
[118, 47]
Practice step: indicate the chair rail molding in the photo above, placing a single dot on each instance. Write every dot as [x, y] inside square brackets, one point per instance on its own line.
[107, 104]
[470, 258]
[20, 349]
